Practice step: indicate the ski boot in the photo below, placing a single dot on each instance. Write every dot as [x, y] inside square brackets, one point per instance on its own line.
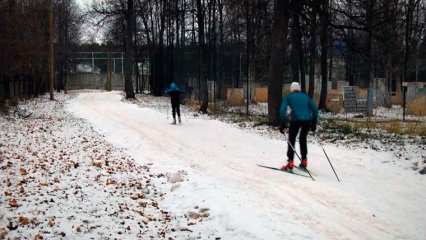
[180, 121]
[174, 121]
[289, 167]
[303, 164]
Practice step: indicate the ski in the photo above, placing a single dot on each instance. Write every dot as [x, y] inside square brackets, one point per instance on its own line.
[278, 169]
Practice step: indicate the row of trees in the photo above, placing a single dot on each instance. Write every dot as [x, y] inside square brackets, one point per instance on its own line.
[200, 36]
[28, 30]
[267, 41]
[276, 38]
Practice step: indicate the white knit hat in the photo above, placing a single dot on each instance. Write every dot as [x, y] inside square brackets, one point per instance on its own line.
[295, 86]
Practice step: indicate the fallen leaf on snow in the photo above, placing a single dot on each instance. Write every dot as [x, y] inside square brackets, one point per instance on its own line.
[13, 203]
[97, 164]
[110, 181]
[145, 220]
[51, 222]
[22, 171]
[44, 184]
[137, 196]
[38, 237]
[3, 233]
[24, 220]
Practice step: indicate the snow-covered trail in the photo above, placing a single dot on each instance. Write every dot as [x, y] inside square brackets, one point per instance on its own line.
[375, 200]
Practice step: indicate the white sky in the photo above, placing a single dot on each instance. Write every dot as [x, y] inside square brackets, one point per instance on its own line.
[89, 32]
[82, 3]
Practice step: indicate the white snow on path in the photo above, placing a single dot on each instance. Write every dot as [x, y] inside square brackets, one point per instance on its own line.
[374, 201]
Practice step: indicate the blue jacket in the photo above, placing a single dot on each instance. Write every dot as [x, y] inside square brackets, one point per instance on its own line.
[173, 88]
[302, 108]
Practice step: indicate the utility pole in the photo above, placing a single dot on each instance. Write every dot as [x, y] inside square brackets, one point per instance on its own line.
[51, 53]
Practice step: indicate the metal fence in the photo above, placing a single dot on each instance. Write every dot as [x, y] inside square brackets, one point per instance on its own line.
[89, 70]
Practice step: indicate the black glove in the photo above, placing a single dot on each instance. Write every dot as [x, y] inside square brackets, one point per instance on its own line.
[283, 127]
[313, 126]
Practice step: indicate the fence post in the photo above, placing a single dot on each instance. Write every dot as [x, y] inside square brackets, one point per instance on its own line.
[93, 63]
[404, 102]
[122, 64]
[370, 101]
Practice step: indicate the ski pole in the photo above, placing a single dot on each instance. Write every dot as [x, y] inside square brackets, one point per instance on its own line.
[294, 150]
[329, 161]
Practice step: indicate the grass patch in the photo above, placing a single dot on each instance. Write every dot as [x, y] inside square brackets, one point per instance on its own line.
[417, 128]
[418, 106]
[414, 128]
[339, 126]
[394, 127]
[347, 129]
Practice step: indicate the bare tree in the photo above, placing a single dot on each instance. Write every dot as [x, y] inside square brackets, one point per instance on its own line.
[129, 49]
[278, 50]
[324, 36]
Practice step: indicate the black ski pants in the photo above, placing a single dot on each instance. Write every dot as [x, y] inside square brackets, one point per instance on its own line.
[295, 127]
[175, 99]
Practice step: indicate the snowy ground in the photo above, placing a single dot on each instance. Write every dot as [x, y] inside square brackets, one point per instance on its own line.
[60, 179]
[410, 146]
[219, 163]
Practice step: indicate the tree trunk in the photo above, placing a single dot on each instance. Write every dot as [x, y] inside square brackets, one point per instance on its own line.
[349, 58]
[324, 54]
[300, 50]
[411, 5]
[312, 50]
[214, 39]
[108, 85]
[331, 66]
[248, 22]
[51, 50]
[129, 51]
[67, 40]
[278, 52]
[332, 79]
[221, 44]
[297, 53]
[294, 55]
[201, 53]
[370, 24]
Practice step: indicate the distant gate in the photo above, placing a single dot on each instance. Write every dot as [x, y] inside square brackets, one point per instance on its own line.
[89, 70]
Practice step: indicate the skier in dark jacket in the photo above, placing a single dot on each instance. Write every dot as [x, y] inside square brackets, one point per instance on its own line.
[303, 117]
[175, 92]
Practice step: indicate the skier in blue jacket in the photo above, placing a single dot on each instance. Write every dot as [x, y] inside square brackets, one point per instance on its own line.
[174, 91]
[303, 117]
